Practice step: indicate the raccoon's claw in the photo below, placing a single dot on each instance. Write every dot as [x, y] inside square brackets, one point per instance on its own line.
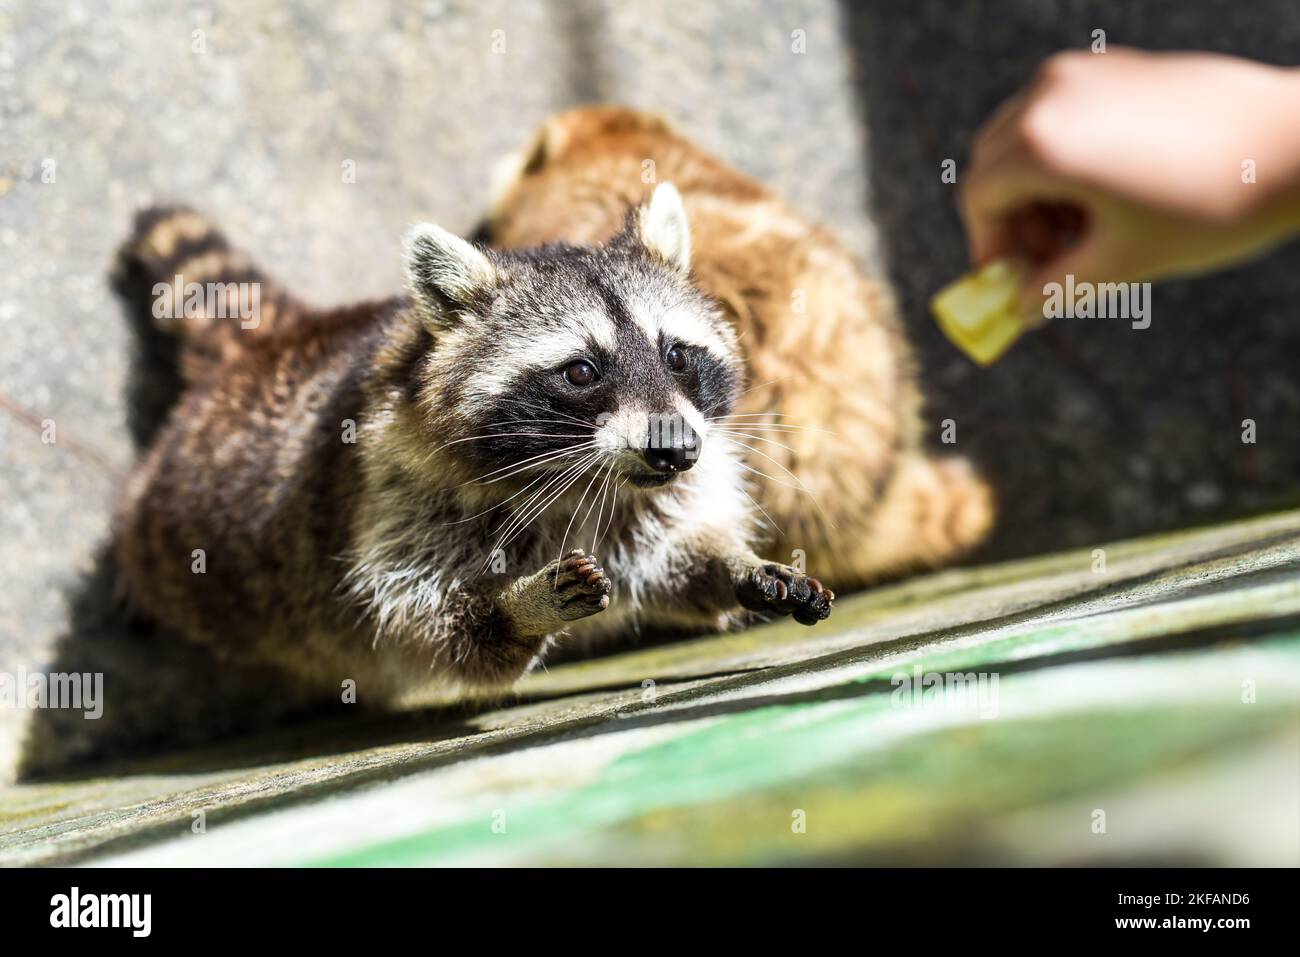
[581, 585]
[781, 589]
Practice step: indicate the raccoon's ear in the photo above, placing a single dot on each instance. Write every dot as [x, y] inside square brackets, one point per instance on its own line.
[447, 276]
[663, 228]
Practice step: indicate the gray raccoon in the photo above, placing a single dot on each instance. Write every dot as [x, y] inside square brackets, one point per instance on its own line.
[513, 416]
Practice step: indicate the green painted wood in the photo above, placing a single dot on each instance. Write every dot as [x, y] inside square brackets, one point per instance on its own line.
[873, 781]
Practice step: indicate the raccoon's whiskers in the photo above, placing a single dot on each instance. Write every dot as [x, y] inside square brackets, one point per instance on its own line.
[775, 428]
[528, 464]
[600, 510]
[748, 415]
[754, 502]
[785, 378]
[508, 525]
[798, 482]
[565, 538]
[547, 421]
[502, 435]
[514, 468]
[756, 438]
[599, 503]
[537, 513]
[491, 508]
[772, 478]
[519, 514]
[799, 486]
[577, 471]
[731, 422]
[552, 480]
[613, 504]
[533, 407]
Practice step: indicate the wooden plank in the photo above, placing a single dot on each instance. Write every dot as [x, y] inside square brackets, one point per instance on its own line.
[594, 737]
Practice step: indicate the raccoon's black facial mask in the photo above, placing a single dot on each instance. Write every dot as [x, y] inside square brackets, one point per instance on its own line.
[566, 355]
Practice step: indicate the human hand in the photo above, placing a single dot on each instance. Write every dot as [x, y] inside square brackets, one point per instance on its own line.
[1131, 166]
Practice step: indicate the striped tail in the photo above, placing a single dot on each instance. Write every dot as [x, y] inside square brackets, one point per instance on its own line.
[178, 275]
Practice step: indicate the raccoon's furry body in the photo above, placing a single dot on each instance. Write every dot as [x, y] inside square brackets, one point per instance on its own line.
[389, 492]
[821, 341]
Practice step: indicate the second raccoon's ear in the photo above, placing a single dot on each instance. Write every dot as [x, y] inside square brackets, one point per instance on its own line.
[663, 228]
[447, 276]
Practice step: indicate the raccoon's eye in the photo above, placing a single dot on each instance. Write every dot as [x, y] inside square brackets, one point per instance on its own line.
[580, 373]
[676, 358]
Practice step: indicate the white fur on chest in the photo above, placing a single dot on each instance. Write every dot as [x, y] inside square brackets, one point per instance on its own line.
[410, 560]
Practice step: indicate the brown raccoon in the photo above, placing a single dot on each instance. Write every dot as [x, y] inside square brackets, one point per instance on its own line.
[832, 416]
[411, 490]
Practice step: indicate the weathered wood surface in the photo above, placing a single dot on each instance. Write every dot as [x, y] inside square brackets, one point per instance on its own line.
[1158, 699]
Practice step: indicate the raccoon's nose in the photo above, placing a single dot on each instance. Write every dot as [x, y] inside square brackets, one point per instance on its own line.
[672, 459]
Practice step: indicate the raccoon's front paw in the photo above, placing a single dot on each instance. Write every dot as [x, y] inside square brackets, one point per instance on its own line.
[564, 590]
[779, 588]
[581, 587]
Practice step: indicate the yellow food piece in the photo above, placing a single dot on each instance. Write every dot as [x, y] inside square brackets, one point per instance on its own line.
[980, 312]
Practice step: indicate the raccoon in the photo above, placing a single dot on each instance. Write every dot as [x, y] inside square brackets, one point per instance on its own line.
[832, 423]
[416, 490]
